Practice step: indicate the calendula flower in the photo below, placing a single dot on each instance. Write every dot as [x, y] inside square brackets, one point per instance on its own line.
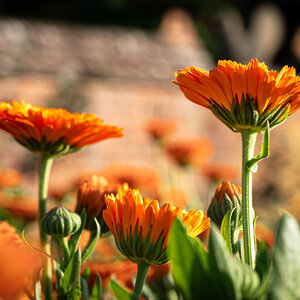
[244, 97]
[190, 151]
[90, 197]
[141, 227]
[226, 197]
[19, 265]
[53, 131]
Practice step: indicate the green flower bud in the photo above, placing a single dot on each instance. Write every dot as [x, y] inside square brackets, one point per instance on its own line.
[60, 222]
[227, 196]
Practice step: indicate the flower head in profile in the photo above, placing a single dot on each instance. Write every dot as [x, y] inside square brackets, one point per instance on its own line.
[19, 265]
[226, 197]
[141, 227]
[244, 97]
[53, 131]
[190, 151]
[90, 197]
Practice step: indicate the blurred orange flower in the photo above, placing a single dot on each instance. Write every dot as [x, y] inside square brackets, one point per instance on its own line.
[51, 130]
[156, 272]
[218, 171]
[265, 234]
[18, 264]
[122, 270]
[19, 206]
[190, 151]
[159, 129]
[139, 177]
[9, 178]
[138, 223]
[243, 96]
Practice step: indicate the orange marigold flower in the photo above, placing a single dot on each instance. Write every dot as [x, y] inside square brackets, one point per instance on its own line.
[90, 197]
[243, 96]
[190, 151]
[159, 129]
[53, 131]
[18, 264]
[141, 227]
[226, 197]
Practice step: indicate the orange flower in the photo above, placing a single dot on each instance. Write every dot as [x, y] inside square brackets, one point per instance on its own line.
[18, 263]
[19, 206]
[243, 96]
[141, 227]
[190, 151]
[122, 270]
[53, 131]
[9, 178]
[91, 198]
[142, 178]
[158, 129]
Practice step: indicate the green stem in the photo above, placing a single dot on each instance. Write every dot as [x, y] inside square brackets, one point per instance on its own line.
[248, 140]
[142, 271]
[45, 167]
[65, 247]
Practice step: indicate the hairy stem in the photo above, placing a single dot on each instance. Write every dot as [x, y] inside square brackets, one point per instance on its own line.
[45, 167]
[248, 140]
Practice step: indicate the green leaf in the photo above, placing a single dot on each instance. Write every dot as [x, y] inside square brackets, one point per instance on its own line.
[85, 289]
[226, 229]
[74, 239]
[262, 268]
[75, 283]
[92, 242]
[223, 267]
[264, 153]
[189, 264]
[65, 282]
[120, 292]
[285, 273]
[235, 279]
[96, 291]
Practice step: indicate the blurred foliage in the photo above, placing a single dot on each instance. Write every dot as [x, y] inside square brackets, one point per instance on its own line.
[148, 14]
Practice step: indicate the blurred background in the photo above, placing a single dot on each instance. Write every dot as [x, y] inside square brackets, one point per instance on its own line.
[117, 58]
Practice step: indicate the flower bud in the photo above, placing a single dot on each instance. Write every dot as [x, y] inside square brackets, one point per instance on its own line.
[60, 222]
[227, 196]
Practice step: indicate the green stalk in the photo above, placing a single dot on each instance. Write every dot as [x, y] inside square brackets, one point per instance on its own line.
[248, 140]
[45, 167]
[142, 271]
